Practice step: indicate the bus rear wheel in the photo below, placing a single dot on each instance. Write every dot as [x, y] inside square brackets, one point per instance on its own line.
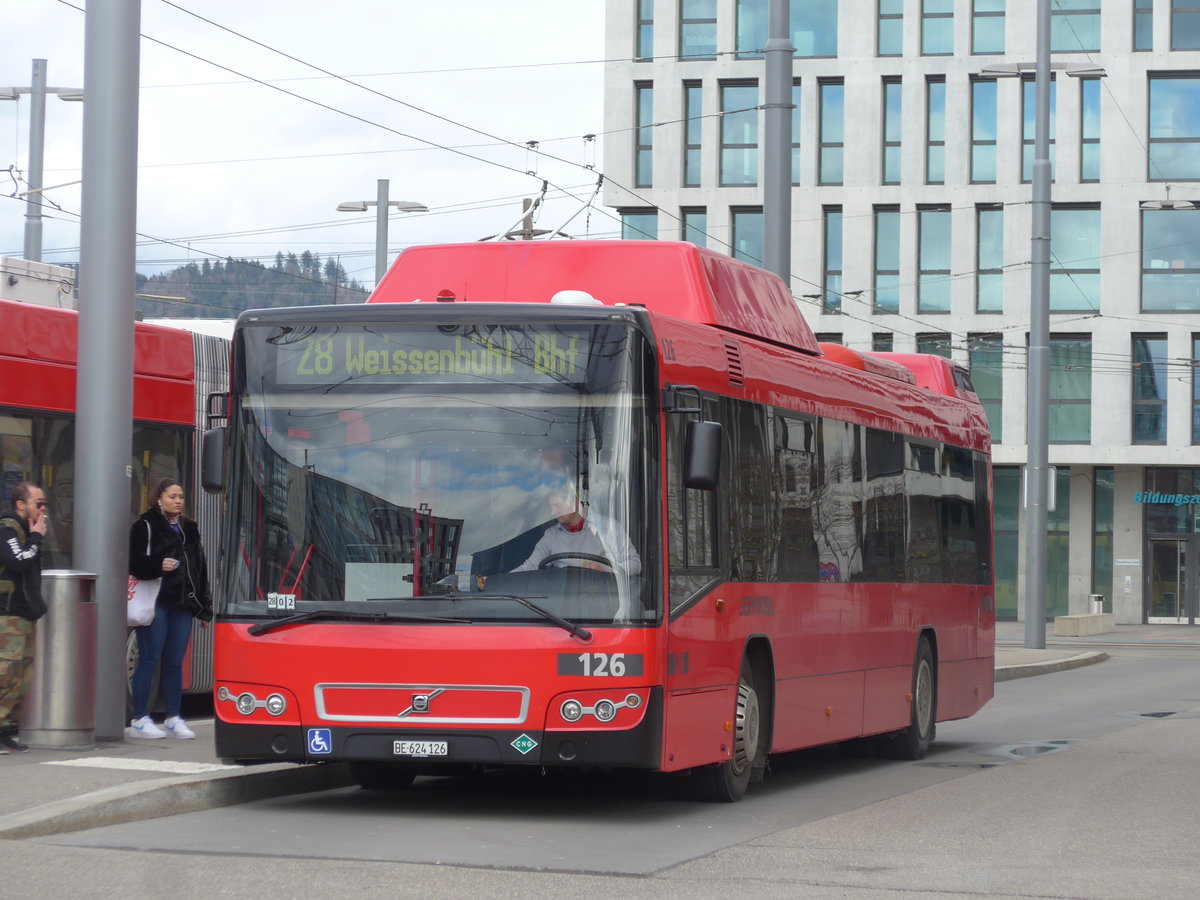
[914, 741]
[726, 782]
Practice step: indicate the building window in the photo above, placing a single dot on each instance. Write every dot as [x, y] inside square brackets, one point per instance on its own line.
[935, 131]
[1074, 26]
[1070, 390]
[828, 337]
[986, 359]
[891, 28]
[935, 343]
[887, 259]
[1175, 128]
[748, 234]
[1185, 25]
[1058, 546]
[739, 134]
[933, 260]
[698, 29]
[937, 27]
[987, 26]
[796, 132]
[639, 225]
[891, 130]
[1170, 260]
[1029, 127]
[1149, 355]
[831, 275]
[695, 225]
[1104, 495]
[1006, 513]
[814, 25]
[883, 342]
[832, 115]
[1143, 24]
[693, 129]
[983, 131]
[1089, 129]
[1196, 390]
[644, 140]
[989, 259]
[645, 29]
[1075, 259]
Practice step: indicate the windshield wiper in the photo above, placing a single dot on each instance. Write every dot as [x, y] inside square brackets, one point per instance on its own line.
[346, 615]
[576, 631]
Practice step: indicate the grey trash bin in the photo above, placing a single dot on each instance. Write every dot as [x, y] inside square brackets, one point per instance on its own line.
[59, 709]
[1097, 602]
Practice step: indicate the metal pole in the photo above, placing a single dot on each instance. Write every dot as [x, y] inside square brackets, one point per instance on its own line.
[37, 142]
[104, 387]
[381, 230]
[777, 143]
[1038, 384]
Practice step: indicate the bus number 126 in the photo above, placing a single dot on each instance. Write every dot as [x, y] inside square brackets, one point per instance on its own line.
[599, 665]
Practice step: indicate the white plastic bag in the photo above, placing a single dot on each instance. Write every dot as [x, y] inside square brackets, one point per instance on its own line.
[142, 594]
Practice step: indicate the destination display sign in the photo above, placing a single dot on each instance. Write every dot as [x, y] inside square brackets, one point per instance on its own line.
[427, 353]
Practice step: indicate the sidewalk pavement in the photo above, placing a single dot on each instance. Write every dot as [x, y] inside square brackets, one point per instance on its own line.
[53, 791]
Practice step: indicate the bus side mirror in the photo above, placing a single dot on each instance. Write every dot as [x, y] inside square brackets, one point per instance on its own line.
[212, 459]
[702, 456]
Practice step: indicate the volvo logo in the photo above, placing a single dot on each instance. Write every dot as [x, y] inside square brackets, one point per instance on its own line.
[420, 703]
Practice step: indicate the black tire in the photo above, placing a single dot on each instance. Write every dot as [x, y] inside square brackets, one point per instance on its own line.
[913, 742]
[726, 782]
[382, 776]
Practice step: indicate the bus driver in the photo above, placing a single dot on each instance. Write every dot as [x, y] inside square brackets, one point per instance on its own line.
[581, 539]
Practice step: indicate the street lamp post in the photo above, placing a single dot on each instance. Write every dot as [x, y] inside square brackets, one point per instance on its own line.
[381, 204]
[1037, 402]
[37, 91]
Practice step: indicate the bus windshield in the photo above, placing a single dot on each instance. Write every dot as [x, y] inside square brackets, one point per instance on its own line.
[441, 471]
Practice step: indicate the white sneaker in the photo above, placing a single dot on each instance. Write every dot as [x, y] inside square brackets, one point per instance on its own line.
[144, 728]
[177, 728]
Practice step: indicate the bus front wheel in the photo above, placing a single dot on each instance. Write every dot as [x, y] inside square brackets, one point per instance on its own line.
[726, 782]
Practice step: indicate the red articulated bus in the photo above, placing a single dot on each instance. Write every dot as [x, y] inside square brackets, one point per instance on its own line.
[174, 372]
[590, 504]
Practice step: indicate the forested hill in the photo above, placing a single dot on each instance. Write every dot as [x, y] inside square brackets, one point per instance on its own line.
[224, 288]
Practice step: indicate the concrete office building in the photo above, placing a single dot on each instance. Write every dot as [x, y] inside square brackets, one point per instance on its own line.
[911, 229]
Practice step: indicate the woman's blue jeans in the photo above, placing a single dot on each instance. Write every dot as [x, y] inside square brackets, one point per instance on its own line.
[165, 639]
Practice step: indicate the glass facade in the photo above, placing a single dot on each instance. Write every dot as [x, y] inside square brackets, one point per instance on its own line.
[883, 342]
[1170, 260]
[933, 260]
[832, 121]
[935, 131]
[796, 132]
[739, 134]
[1185, 24]
[1149, 369]
[937, 27]
[1075, 259]
[987, 26]
[892, 121]
[1058, 547]
[645, 29]
[890, 35]
[747, 227]
[693, 99]
[644, 135]
[989, 259]
[1070, 389]
[814, 25]
[1143, 24]
[695, 226]
[639, 225]
[936, 343]
[698, 29]
[1196, 391]
[831, 274]
[887, 259]
[1006, 512]
[1104, 496]
[1174, 128]
[983, 131]
[1074, 26]
[986, 359]
[1089, 129]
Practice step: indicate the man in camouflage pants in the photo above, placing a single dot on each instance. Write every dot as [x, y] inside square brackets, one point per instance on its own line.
[21, 531]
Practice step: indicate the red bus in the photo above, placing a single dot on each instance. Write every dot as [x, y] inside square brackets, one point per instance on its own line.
[590, 504]
[174, 372]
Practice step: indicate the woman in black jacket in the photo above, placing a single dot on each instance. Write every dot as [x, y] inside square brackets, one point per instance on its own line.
[164, 544]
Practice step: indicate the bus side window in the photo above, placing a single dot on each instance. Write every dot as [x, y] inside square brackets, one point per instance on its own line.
[691, 522]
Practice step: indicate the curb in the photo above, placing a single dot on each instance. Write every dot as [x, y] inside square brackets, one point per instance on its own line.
[166, 797]
[1008, 673]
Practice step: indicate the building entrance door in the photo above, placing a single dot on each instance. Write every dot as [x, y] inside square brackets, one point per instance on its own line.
[1172, 598]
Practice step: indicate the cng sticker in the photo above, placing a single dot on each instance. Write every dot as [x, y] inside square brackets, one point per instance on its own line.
[524, 744]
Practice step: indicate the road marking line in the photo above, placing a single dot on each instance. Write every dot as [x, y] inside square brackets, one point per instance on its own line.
[167, 766]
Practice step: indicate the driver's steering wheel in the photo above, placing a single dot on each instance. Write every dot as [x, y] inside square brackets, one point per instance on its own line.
[589, 557]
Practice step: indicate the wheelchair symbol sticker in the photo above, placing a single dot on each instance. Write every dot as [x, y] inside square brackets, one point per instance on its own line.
[320, 740]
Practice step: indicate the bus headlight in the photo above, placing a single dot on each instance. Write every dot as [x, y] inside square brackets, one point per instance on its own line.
[246, 703]
[604, 710]
[571, 710]
[276, 705]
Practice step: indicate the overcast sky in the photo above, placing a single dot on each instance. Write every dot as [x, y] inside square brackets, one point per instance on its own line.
[228, 166]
